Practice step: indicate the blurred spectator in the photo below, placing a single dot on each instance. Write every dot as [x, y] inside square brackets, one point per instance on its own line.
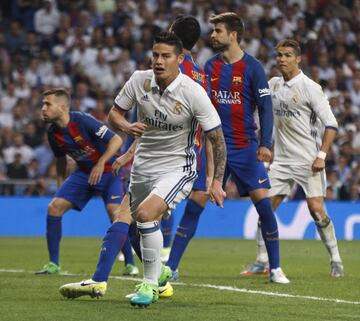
[18, 147]
[16, 170]
[112, 82]
[9, 99]
[44, 155]
[86, 102]
[58, 78]
[47, 18]
[15, 37]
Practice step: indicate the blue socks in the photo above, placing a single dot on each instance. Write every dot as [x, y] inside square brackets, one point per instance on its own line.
[269, 231]
[135, 240]
[129, 258]
[166, 229]
[113, 242]
[184, 233]
[53, 237]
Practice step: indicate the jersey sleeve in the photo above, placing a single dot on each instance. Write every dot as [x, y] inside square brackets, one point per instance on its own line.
[262, 96]
[126, 98]
[204, 110]
[97, 129]
[58, 152]
[320, 104]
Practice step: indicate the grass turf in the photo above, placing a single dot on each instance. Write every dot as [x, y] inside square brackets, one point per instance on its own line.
[208, 262]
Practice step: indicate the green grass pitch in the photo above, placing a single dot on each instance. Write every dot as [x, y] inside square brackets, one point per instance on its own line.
[210, 287]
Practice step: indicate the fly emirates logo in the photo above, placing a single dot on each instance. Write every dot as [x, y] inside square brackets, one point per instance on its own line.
[226, 97]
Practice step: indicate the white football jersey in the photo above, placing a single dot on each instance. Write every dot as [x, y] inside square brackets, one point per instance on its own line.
[301, 110]
[172, 119]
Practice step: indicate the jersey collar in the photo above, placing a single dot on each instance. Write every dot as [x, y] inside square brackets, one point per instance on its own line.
[169, 88]
[294, 80]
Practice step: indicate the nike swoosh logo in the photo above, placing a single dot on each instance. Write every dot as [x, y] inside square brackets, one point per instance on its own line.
[213, 79]
[113, 197]
[262, 180]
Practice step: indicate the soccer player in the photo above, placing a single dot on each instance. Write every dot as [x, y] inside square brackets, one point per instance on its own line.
[237, 85]
[301, 111]
[187, 28]
[92, 145]
[170, 107]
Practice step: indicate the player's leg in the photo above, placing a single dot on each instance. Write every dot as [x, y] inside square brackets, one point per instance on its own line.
[187, 228]
[73, 193]
[111, 246]
[56, 210]
[314, 186]
[261, 264]
[165, 193]
[326, 231]
[167, 224]
[190, 219]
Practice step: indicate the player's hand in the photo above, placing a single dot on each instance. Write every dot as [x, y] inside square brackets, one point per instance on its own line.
[121, 161]
[136, 129]
[318, 165]
[217, 194]
[96, 173]
[263, 154]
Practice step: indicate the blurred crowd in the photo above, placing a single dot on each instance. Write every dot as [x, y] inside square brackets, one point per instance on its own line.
[92, 47]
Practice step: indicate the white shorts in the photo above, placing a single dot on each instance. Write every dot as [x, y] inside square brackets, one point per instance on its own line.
[171, 187]
[283, 177]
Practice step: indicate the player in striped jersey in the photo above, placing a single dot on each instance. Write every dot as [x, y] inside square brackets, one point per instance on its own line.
[301, 111]
[187, 28]
[238, 84]
[92, 145]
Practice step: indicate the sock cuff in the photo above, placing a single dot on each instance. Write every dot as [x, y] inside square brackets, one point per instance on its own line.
[264, 201]
[54, 218]
[148, 227]
[324, 223]
[119, 227]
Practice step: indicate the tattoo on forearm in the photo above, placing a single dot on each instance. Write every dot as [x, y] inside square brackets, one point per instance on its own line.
[216, 138]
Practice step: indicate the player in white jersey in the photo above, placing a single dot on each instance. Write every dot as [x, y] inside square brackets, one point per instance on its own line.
[170, 106]
[301, 111]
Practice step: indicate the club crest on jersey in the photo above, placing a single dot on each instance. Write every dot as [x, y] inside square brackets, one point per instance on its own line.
[79, 140]
[295, 99]
[276, 87]
[237, 80]
[147, 85]
[177, 108]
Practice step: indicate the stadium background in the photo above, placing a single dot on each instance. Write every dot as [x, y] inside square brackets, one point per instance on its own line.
[92, 47]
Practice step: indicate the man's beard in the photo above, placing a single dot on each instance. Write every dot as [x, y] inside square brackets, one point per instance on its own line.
[220, 46]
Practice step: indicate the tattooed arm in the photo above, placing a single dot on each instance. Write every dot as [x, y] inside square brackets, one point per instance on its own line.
[216, 138]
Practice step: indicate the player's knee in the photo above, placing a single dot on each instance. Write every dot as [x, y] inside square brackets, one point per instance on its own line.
[143, 214]
[56, 209]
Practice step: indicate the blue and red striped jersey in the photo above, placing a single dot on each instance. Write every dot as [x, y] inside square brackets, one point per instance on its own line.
[84, 139]
[236, 89]
[189, 68]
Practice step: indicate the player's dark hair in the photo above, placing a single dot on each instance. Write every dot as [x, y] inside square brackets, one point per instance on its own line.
[292, 44]
[58, 92]
[170, 39]
[231, 21]
[187, 28]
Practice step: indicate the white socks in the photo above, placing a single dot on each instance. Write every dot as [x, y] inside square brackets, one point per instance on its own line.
[261, 253]
[151, 243]
[327, 234]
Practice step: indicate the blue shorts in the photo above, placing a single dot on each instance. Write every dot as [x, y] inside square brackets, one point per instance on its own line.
[200, 182]
[246, 171]
[78, 192]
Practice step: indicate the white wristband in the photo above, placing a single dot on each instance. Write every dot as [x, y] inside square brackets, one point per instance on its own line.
[321, 154]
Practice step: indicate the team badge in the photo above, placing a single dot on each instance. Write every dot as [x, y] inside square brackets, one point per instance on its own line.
[178, 108]
[79, 140]
[295, 99]
[147, 85]
[276, 87]
[237, 80]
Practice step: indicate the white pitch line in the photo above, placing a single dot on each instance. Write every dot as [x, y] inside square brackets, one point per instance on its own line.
[211, 286]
